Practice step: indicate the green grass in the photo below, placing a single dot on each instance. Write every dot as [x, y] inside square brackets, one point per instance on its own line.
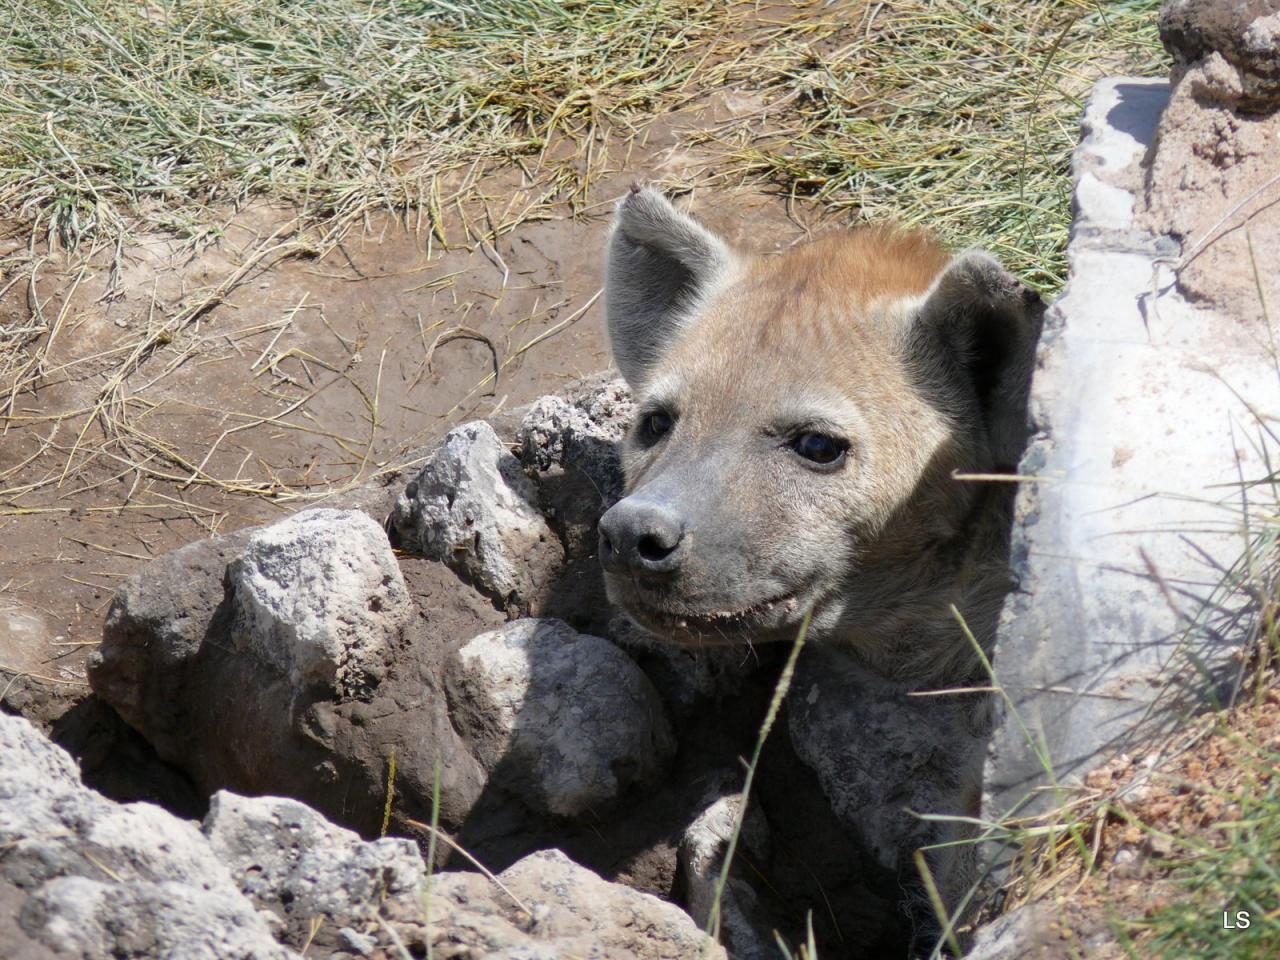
[958, 115]
[1233, 867]
[114, 109]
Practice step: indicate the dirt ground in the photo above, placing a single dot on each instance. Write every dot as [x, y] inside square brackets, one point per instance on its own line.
[1159, 819]
[192, 387]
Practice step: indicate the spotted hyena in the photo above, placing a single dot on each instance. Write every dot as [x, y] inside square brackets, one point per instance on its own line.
[802, 419]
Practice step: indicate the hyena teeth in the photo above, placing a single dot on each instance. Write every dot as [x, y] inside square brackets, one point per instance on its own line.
[892, 324]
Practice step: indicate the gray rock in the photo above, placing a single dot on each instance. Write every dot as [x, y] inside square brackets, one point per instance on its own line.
[472, 507]
[571, 913]
[1140, 402]
[746, 930]
[883, 757]
[362, 944]
[290, 860]
[319, 598]
[563, 719]
[568, 444]
[85, 877]
[579, 433]
[261, 679]
[1244, 33]
[101, 919]
[1020, 934]
[148, 664]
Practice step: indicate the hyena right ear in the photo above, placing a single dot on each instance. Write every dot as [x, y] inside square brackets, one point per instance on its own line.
[662, 264]
[986, 323]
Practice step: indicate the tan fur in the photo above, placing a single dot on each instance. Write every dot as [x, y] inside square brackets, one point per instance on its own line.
[875, 339]
[819, 325]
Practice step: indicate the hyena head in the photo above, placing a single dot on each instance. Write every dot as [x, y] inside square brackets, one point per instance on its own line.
[800, 418]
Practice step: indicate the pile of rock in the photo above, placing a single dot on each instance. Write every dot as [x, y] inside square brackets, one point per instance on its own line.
[268, 878]
[441, 647]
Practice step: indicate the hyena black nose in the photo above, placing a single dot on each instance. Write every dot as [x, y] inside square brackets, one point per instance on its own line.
[639, 536]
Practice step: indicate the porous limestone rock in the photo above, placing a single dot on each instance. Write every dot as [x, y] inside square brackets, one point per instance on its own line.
[83, 877]
[259, 662]
[472, 507]
[1021, 934]
[563, 910]
[319, 598]
[580, 432]
[564, 720]
[745, 927]
[290, 860]
[148, 665]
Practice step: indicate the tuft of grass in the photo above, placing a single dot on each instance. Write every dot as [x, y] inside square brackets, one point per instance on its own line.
[958, 115]
[112, 110]
[807, 950]
[1237, 873]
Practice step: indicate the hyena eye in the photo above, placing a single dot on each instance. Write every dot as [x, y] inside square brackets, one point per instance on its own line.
[820, 448]
[656, 425]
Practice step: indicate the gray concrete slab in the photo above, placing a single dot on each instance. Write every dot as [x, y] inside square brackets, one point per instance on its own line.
[1147, 416]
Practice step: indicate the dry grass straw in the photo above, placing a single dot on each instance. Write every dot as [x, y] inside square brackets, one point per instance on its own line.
[954, 114]
[118, 118]
[113, 110]
[110, 430]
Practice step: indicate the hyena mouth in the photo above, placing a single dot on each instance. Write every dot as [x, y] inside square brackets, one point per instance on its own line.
[714, 622]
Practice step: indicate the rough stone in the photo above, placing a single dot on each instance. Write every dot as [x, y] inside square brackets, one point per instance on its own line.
[319, 598]
[567, 444]
[25, 635]
[1020, 934]
[154, 632]
[290, 860]
[95, 919]
[85, 877]
[564, 911]
[1244, 33]
[562, 719]
[1141, 404]
[197, 659]
[473, 508]
[579, 432]
[746, 929]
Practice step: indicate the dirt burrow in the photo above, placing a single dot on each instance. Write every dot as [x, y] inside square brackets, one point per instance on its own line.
[308, 377]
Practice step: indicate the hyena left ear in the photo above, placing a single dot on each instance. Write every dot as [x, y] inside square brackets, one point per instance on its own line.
[982, 323]
[662, 264]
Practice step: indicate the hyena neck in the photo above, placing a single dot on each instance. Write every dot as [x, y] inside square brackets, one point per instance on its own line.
[937, 613]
